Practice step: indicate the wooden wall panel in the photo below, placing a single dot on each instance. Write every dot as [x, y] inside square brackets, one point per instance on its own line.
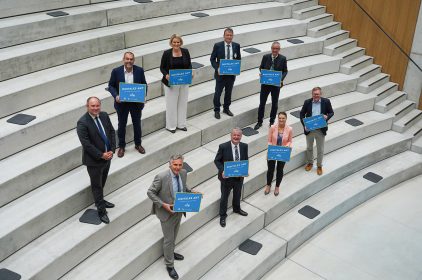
[397, 17]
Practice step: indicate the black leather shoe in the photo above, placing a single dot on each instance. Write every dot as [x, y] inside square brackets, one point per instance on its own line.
[108, 204]
[223, 222]
[257, 126]
[217, 115]
[228, 112]
[171, 130]
[241, 212]
[182, 128]
[178, 257]
[104, 218]
[172, 273]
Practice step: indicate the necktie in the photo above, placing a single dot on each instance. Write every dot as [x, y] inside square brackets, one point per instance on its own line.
[272, 64]
[236, 154]
[179, 189]
[102, 134]
[228, 51]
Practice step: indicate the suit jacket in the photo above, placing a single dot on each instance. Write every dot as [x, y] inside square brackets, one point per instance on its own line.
[161, 191]
[218, 52]
[166, 63]
[93, 145]
[225, 154]
[287, 135]
[118, 76]
[326, 109]
[280, 64]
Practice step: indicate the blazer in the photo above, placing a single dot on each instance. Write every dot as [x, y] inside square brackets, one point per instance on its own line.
[93, 145]
[280, 64]
[287, 135]
[118, 76]
[161, 191]
[225, 153]
[166, 63]
[326, 109]
[218, 52]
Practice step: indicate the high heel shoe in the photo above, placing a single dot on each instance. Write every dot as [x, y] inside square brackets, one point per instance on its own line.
[276, 191]
[267, 189]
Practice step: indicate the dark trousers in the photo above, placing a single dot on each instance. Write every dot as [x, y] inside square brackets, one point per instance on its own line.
[123, 110]
[223, 82]
[270, 173]
[226, 187]
[263, 96]
[98, 176]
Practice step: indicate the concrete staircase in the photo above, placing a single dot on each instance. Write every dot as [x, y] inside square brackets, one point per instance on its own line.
[57, 62]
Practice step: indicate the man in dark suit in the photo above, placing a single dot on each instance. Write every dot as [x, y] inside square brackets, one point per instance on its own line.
[276, 62]
[127, 73]
[316, 105]
[162, 192]
[98, 140]
[232, 150]
[226, 49]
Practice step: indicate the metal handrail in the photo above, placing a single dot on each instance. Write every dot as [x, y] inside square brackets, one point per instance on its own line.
[391, 39]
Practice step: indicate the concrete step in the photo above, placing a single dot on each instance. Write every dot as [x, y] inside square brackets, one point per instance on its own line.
[72, 241]
[356, 64]
[222, 242]
[385, 90]
[340, 47]
[415, 130]
[373, 83]
[367, 72]
[53, 118]
[417, 144]
[199, 45]
[407, 120]
[300, 4]
[401, 109]
[308, 12]
[324, 29]
[319, 20]
[351, 54]
[299, 185]
[335, 37]
[36, 26]
[289, 269]
[48, 52]
[341, 197]
[241, 265]
[390, 101]
[77, 182]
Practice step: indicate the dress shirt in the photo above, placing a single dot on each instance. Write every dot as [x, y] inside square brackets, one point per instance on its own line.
[316, 108]
[174, 182]
[225, 50]
[128, 76]
[101, 124]
[238, 150]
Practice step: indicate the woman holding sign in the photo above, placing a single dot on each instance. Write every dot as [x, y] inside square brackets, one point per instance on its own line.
[279, 134]
[176, 67]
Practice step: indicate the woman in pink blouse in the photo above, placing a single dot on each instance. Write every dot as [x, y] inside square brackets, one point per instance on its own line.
[279, 134]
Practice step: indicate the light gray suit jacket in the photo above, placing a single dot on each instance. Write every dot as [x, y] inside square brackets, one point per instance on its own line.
[161, 191]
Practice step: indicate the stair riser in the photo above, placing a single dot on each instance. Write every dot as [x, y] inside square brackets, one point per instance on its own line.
[353, 69]
[329, 51]
[319, 33]
[373, 86]
[308, 14]
[320, 21]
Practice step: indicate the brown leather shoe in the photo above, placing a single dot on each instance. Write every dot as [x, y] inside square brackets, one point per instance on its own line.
[140, 149]
[319, 170]
[308, 167]
[121, 152]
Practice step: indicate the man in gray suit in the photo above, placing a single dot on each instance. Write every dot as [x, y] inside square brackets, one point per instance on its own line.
[162, 193]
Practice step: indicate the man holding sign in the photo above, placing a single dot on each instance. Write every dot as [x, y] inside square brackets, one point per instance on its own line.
[231, 151]
[312, 108]
[162, 192]
[273, 63]
[226, 49]
[130, 74]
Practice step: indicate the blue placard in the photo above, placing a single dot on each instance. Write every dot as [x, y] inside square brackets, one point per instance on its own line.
[269, 77]
[187, 202]
[314, 122]
[132, 92]
[236, 168]
[180, 77]
[280, 153]
[229, 67]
